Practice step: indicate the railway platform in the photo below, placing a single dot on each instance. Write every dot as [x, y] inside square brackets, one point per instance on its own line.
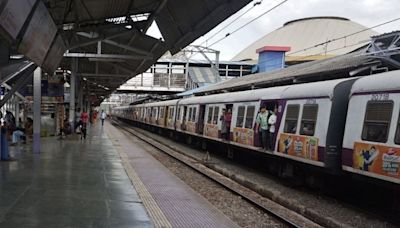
[106, 180]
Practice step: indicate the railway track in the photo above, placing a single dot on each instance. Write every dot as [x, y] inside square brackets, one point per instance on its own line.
[284, 215]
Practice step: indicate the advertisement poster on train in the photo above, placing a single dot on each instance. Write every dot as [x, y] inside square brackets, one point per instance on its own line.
[191, 127]
[377, 159]
[211, 130]
[243, 136]
[299, 146]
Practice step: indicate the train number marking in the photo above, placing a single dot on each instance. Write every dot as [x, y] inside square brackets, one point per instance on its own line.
[380, 97]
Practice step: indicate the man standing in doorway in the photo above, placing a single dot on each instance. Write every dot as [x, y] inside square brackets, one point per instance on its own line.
[103, 116]
[272, 122]
[228, 120]
[262, 126]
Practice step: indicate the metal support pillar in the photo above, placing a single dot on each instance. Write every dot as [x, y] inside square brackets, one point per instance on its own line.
[74, 69]
[169, 74]
[16, 100]
[37, 103]
[186, 74]
[80, 96]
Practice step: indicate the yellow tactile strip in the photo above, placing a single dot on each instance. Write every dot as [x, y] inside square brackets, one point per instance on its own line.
[149, 203]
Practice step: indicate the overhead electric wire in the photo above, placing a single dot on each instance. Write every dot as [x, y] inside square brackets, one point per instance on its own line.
[251, 21]
[241, 27]
[344, 37]
[233, 21]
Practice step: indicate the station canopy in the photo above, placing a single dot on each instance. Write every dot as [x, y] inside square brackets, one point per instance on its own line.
[108, 37]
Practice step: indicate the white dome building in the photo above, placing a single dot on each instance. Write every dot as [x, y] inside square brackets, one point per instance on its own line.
[304, 35]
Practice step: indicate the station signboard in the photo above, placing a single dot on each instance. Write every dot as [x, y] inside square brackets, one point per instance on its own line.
[13, 16]
[39, 35]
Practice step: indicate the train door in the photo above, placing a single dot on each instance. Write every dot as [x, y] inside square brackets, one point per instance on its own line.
[166, 115]
[227, 118]
[200, 124]
[271, 106]
[183, 126]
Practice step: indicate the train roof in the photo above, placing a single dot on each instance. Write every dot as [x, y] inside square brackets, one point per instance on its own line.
[160, 103]
[388, 81]
[248, 95]
[313, 89]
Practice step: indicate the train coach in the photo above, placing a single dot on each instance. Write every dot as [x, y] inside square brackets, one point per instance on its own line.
[345, 125]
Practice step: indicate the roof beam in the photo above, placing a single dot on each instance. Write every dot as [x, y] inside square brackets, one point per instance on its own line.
[153, 16]
[149, 20]
[123, 46]
[118, 66]
[90, 75]
[105, 56]
[99, 38]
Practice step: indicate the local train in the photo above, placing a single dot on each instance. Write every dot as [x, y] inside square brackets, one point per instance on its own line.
[349, 125]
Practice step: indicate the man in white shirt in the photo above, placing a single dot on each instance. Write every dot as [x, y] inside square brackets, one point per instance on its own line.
[271, 123]
[103, 116]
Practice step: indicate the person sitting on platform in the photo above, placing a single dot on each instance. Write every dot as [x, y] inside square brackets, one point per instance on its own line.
[24, 133]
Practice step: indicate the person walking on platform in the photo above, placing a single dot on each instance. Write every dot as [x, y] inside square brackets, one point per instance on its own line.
[262, 127]
[103, 116]
[85, 119]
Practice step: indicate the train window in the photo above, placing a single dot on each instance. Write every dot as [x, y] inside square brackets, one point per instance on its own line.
[162, 112]
[292, 115]
[240, 116]
[377, 121]
[309, 119]
[397, 137]
[190, 114]
[249, 117]
[216, 113]
[210, 115]
[171, 113]
[194, 115]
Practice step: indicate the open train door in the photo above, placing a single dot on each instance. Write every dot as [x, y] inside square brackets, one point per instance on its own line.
[166, 115]
[183, 126]
[200, 123]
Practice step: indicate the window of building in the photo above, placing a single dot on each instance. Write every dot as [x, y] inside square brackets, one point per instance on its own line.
[309, 119]
[249, 117]
[240, 116]
[292, 115]
[377, 121]
[216, 113]
[210, 115]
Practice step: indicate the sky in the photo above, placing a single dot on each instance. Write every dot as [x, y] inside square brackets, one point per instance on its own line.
[365, 12]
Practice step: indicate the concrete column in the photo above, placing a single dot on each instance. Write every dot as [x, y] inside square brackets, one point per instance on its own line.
[37, 104]
[74, 69]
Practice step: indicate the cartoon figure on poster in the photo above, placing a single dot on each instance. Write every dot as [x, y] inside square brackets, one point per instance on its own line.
[287, 142]
[366, 158]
